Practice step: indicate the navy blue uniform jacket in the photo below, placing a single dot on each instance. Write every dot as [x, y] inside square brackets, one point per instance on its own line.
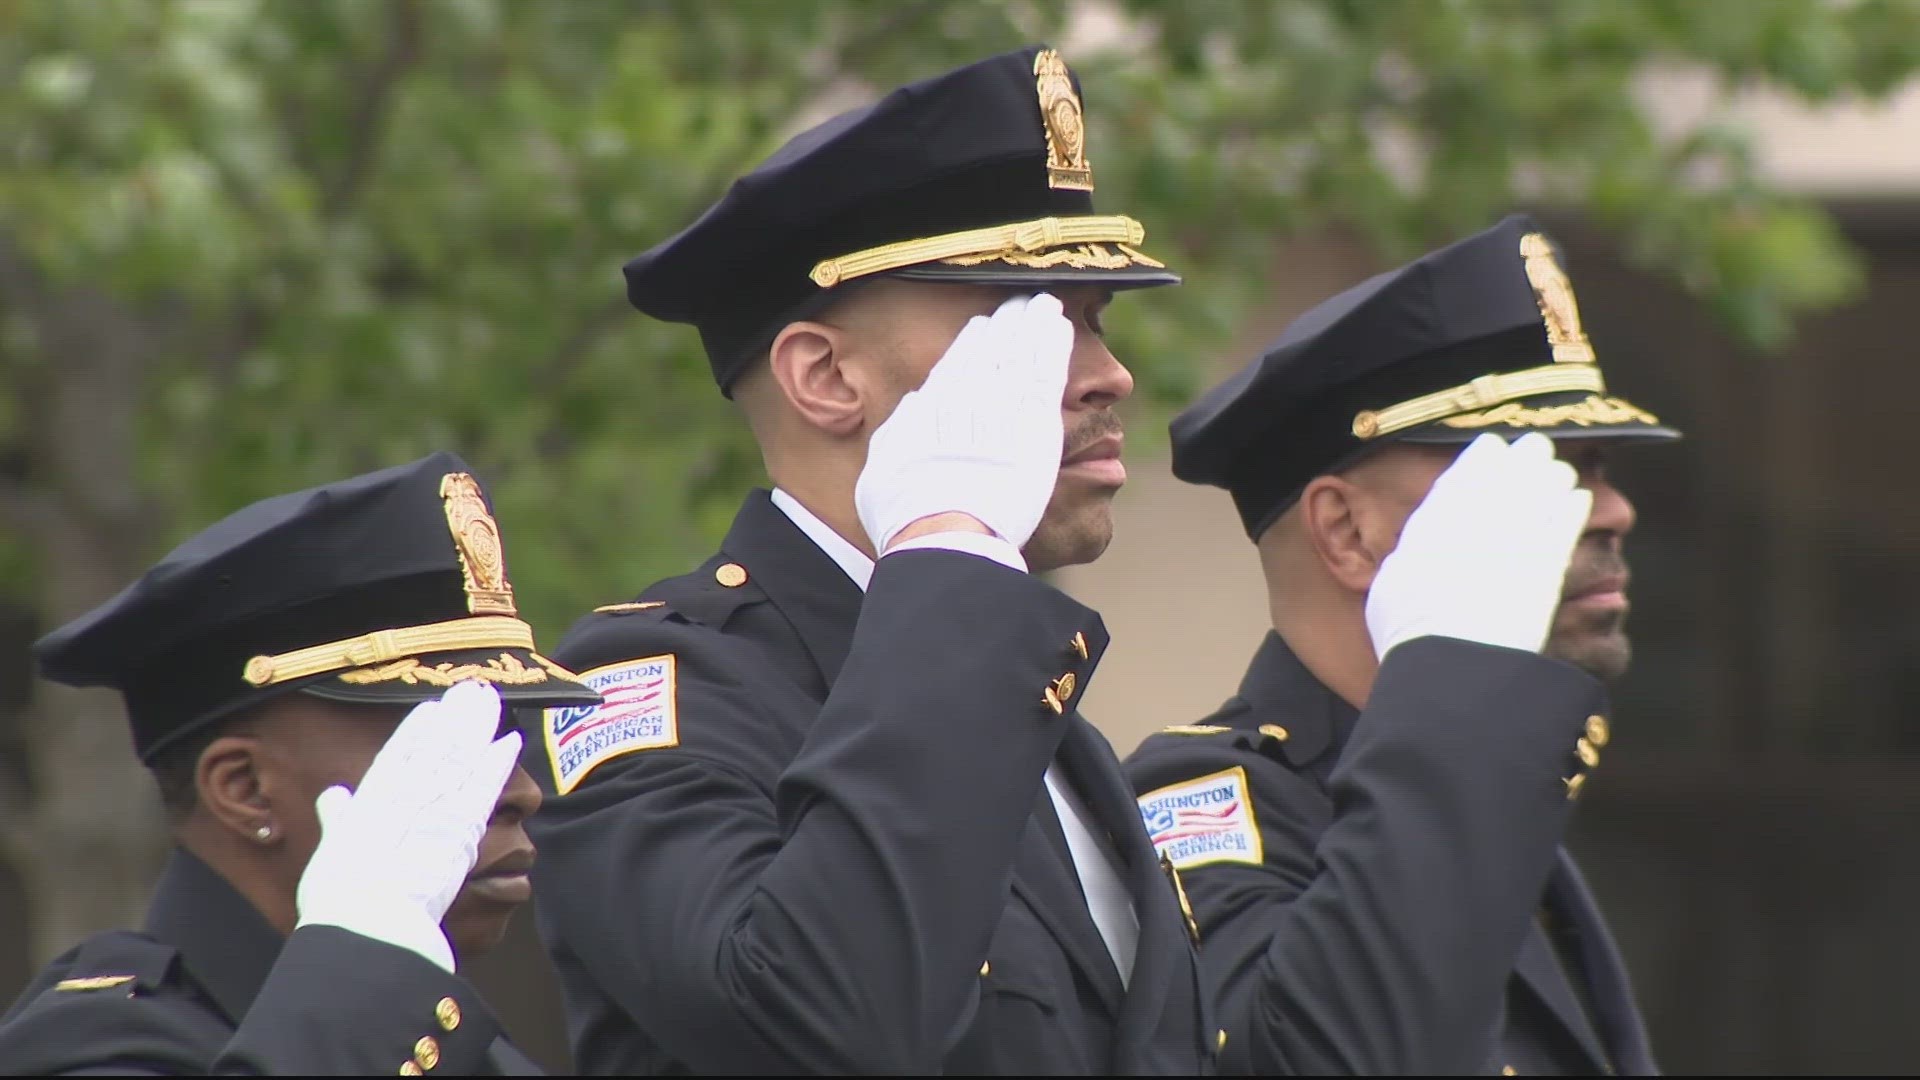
[833, 852]
[210, 988]
[1406, 906]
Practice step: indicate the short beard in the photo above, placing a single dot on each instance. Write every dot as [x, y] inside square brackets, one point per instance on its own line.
[1600, 648]
[1078, 524]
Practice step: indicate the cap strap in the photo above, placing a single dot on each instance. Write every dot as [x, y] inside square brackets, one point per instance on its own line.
[1482, 393]
[1024, 237]
[482, 632]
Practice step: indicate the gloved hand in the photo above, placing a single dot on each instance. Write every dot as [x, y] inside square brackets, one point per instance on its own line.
[982, 436]
[1484, 556]
[394, 852]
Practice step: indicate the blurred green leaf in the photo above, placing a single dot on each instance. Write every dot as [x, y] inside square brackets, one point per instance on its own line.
[348, 232]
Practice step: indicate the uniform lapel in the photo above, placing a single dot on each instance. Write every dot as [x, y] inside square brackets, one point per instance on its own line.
[1547, 979]
[1619, 1018]
[810, 590]
[1045, 877]
[1161, 955]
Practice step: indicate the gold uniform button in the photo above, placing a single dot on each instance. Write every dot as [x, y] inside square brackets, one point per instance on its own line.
[1597, 732]
[1079, 644]
[408, 1068]
[732, 575]
[1588, 755]
[1053, 701]
[1574, 784]
[1508, 1071]
[985, 967]
[448, 1013]
[426, 1052]
[1274, 732]
[1063, 686]
[1220, 1041]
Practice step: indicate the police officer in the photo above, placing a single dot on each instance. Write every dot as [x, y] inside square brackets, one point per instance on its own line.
[358, 635]
[839, 812]
[1370, 831]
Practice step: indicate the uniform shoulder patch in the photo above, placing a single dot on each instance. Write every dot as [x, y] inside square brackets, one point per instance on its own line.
[625, 609]
[637, 713]
[1204, 821]
[1194, 729]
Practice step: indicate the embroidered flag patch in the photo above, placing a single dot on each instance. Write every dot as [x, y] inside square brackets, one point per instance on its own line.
[1209, 820]
[637, 714]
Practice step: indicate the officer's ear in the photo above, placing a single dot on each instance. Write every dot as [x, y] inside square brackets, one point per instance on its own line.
[231, 786]
[808, 361]
[1333, 516]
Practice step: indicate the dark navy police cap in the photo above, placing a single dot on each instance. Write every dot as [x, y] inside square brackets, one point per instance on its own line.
[980, 175]
[387, 588]
[1481, 335]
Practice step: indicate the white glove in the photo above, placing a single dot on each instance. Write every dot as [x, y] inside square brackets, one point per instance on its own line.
[394, 853]
[1484, 556]
[982, 436]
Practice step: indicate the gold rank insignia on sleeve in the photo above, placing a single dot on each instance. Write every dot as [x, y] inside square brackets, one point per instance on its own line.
[93, 982]
[1194, 729]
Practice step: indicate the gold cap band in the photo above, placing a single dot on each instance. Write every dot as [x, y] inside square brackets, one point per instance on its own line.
[1482, 393]
[1017, 242]
[481, 632]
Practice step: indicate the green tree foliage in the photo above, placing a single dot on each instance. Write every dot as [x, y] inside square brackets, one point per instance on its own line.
[250, 245]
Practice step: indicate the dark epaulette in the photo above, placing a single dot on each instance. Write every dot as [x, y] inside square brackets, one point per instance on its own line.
[119, 962]
[706, 597]
[1240, 731]
[656, 620]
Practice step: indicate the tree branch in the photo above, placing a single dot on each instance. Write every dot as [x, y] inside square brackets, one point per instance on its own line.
[369, 118]
[573, 348]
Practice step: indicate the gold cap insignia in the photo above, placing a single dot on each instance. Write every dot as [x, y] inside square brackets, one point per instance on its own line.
[1067, 165]
[1553, 290]
[478, 540]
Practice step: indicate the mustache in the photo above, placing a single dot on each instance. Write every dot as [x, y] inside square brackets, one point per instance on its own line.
[1095, 427]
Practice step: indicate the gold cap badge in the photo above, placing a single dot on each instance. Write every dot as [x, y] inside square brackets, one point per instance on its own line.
[478, 540]
[1067, 165]
[1553, 290]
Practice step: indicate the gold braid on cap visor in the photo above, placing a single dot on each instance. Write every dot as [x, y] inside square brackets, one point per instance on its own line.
[1077, 242]
[480, 632]
[1482, 393]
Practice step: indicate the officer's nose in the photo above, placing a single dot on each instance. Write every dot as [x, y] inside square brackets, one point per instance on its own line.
[1612, 511]
[518, 800]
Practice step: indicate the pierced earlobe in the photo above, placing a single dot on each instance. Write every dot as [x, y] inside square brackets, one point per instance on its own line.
[264, 833]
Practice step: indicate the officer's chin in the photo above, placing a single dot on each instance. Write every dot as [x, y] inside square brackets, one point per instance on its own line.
[1075, 530]
[495, 889]
[476, 926]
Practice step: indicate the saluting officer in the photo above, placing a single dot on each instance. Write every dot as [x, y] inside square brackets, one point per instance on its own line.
[839, 812]
[1371, 828]
[360, 635]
